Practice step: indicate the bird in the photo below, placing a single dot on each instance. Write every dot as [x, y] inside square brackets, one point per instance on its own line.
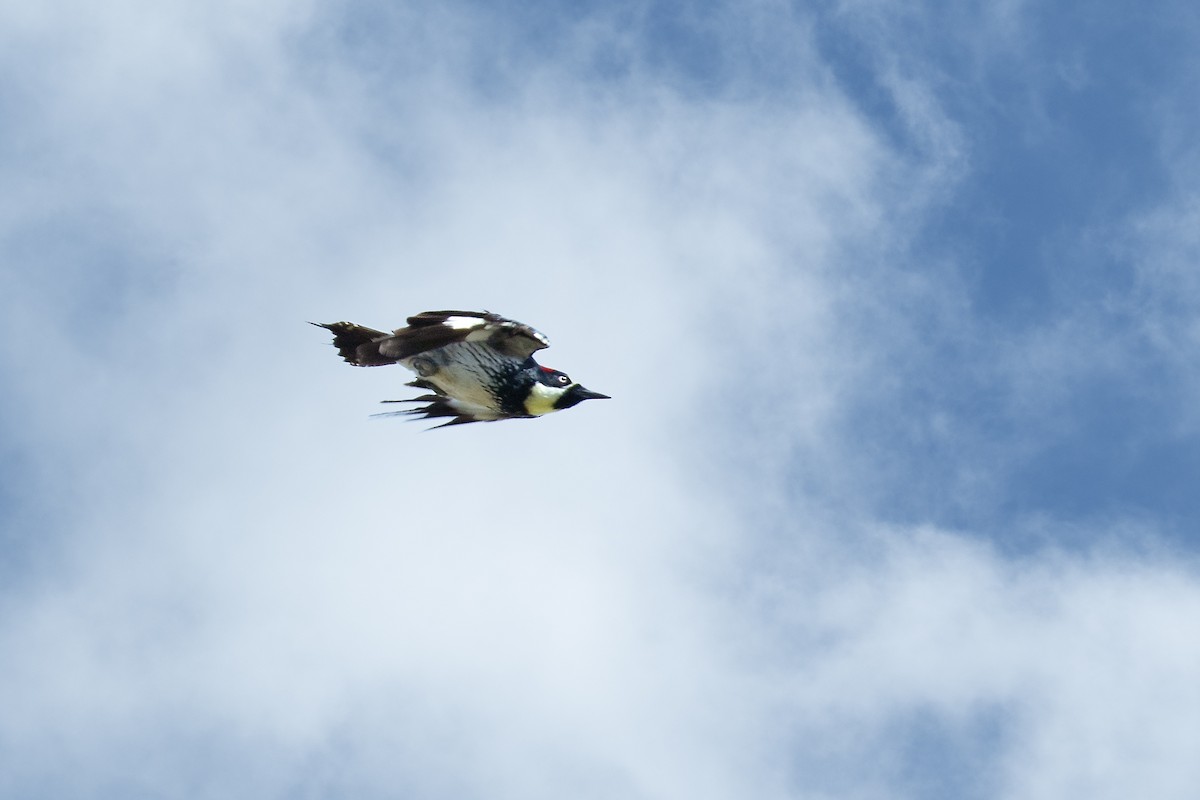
[477, 366]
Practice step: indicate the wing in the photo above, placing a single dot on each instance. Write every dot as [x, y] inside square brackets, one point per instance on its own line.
[430, 330]
[438, 406]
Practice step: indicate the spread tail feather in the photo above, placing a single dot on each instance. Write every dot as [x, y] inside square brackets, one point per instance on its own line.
[357, 344]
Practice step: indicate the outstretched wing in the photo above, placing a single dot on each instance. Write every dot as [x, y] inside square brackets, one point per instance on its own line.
[430, 330]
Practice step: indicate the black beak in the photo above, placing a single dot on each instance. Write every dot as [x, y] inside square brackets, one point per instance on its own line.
[576, 395]
[588, 394]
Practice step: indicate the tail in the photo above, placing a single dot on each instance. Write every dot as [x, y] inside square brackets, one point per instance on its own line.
[358, 345]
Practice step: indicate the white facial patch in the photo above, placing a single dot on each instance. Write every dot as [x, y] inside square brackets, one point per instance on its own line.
[542, 398]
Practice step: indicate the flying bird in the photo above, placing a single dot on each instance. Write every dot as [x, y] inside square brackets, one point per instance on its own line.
[477, 366]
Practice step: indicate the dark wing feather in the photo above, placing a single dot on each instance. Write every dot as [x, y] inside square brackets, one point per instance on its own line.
[436, 407]
[408, 342]
[430, 330]
[516, 340]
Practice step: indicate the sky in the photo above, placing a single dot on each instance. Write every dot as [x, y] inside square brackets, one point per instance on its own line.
[898, 305]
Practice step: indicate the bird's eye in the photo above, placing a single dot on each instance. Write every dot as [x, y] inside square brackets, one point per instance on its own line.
[563, 380]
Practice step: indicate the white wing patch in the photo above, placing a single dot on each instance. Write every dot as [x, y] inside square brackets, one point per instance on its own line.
[463, 323]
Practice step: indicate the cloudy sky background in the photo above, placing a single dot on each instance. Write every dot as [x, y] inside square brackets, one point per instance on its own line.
[899, 305]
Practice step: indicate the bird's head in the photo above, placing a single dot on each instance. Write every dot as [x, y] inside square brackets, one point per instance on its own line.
[554, 391]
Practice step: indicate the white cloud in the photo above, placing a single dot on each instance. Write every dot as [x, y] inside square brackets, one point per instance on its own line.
[243, 586]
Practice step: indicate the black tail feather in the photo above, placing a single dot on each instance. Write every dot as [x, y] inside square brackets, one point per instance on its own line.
[356, 344]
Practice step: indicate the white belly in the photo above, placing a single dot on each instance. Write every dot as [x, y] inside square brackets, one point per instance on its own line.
[462, 371]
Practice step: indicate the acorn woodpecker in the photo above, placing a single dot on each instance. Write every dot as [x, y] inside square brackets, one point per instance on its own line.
[478, 366]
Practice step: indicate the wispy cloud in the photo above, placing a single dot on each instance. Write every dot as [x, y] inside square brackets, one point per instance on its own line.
[792, 558]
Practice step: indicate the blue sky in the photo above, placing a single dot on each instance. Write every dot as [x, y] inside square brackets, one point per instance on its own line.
[895, 497]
